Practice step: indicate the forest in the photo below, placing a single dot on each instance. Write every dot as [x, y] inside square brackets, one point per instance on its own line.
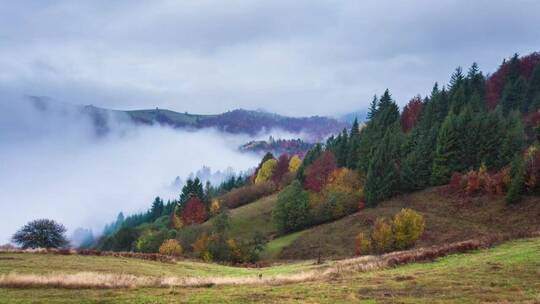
[477, 135]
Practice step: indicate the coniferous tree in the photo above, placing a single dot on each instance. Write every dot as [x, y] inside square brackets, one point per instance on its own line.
[447, 158]
[372, 107]
[157, 209]
[353, 147]
[383, 176]
[514, 141]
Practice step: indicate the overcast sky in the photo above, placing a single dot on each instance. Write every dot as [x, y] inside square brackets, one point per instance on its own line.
[291, 57]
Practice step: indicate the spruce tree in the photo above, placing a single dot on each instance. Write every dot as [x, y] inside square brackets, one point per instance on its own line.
[383, 175]
[447, 158]
[353, 147]
[514, 141]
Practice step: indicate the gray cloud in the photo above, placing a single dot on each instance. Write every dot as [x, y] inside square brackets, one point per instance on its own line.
[300, 57]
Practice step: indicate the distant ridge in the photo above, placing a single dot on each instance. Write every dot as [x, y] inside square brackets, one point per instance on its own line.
[239, 121]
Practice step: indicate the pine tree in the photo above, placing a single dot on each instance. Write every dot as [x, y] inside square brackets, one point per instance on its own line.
[492, 133]
[353, 147]
[383, 176]
[514, 95]
[157, 209]
[518, 181]
[341, 152]
[447, 158]
[514, 141]
[372, 107]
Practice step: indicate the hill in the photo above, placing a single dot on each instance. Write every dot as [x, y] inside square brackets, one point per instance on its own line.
[445, 280]
[448, 219]
[237, 121]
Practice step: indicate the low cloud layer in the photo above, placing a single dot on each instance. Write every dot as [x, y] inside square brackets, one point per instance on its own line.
[292, 57]
[54, 166]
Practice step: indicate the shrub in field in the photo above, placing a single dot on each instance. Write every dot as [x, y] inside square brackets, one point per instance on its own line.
[247, 194]
[170, 247]
[362, 244]
[407, 227]
[382, 236]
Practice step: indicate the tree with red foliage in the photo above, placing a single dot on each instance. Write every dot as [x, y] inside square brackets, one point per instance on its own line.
[281, 169]
[411, 113]
[523, 67]
[194, 212]
[319, 171]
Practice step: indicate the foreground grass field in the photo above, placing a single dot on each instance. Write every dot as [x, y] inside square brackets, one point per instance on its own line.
[507, 273]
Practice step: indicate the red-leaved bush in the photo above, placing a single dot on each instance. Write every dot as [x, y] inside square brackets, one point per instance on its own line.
[479, 182]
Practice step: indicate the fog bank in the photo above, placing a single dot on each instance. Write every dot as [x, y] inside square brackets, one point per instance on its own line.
[53, 165]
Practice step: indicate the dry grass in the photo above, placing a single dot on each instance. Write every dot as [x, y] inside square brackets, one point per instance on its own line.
[331, 271]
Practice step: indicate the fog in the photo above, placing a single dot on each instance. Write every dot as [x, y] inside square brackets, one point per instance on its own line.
[53, 165]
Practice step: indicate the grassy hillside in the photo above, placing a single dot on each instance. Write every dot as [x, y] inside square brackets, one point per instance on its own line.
[248, 219]
[506, 273]
[447, 220]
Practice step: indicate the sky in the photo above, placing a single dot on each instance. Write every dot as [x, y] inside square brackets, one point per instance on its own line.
[298, 58]
[304, 57]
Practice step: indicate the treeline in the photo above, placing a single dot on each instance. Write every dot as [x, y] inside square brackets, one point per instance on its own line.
[474, 131]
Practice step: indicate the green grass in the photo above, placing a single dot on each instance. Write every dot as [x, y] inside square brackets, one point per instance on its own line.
[508, 273]
[274, 247]
[47, 263]
[248, 219]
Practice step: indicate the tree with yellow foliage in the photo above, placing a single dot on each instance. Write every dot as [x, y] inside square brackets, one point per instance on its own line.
[294, 163]
[266, 171]
[170, 247]
[382, 236]
[215, 207]
[407, 226]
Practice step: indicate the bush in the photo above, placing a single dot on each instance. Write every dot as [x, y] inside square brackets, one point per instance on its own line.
[382, 236]
[247, 194]
[170, 247]
[150, 241]
[407, 227]
[363, 244]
